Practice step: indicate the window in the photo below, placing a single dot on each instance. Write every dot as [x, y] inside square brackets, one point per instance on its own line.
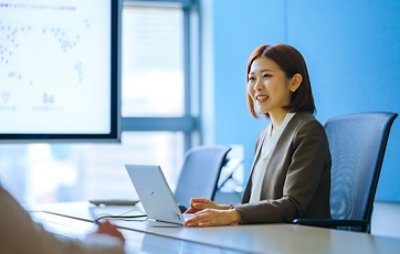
[152, 62]
[158, 123]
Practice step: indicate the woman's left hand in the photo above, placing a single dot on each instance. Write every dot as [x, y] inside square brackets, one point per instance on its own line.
[213, 217]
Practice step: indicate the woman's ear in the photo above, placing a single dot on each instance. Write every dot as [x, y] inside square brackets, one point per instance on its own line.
[295, 82]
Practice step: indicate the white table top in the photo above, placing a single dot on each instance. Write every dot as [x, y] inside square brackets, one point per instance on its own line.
[261, 238]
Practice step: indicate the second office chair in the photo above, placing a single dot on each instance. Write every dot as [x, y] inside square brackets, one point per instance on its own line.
[200, 173]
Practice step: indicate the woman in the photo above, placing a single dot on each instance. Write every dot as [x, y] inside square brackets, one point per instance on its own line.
[290, 176]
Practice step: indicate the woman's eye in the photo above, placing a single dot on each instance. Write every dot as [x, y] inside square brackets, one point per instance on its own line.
[251, 78]
[267, 75]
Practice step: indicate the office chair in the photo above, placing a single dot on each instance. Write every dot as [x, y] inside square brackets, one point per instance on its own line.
[357, 144]
[200, 173]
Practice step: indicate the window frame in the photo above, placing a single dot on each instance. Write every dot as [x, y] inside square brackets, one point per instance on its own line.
[189, 123]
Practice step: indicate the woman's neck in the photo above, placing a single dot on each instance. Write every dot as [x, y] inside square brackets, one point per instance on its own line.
[277, 119]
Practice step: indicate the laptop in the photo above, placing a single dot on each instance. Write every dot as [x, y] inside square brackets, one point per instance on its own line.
[155, 195]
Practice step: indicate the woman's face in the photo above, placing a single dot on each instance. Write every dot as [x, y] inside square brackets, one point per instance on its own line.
[268, 86]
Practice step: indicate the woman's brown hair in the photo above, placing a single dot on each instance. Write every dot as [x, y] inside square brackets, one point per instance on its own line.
[291, 62]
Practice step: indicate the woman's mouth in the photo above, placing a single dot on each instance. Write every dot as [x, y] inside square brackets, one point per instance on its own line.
[261, 98]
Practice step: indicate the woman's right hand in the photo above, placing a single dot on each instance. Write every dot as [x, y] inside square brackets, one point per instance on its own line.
[199, 204]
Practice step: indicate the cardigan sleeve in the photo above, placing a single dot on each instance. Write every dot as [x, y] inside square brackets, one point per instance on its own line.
[19, 234]
[308, 159]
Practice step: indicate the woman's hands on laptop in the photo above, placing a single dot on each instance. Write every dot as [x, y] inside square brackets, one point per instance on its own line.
[207, 213]
[198, 204]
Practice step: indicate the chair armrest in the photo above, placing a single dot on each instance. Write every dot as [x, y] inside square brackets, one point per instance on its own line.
[333, 223]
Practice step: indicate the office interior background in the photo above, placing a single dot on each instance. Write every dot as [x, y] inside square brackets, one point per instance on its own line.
[183, 85]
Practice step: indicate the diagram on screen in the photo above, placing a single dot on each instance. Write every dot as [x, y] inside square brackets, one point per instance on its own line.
[52, 59]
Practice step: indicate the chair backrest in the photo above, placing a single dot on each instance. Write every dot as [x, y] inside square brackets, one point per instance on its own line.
[357, 143]
[200, 173]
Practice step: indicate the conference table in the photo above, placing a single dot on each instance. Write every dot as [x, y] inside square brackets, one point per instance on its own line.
[76, 219]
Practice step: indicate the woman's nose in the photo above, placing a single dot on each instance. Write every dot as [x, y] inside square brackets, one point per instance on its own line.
[258, 85]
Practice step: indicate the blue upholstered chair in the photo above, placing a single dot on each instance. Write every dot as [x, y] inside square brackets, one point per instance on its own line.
[357, 143]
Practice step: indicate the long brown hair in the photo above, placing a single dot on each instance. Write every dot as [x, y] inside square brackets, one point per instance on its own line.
[291, 62]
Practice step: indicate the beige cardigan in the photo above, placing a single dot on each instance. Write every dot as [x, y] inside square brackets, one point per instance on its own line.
[297, 180]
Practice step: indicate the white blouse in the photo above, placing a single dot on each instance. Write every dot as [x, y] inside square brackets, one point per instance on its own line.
[268, 146]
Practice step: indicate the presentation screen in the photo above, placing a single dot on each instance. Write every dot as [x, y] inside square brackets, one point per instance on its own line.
[59, 70]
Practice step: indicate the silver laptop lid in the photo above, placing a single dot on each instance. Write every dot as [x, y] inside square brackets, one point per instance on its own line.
[152, 188]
